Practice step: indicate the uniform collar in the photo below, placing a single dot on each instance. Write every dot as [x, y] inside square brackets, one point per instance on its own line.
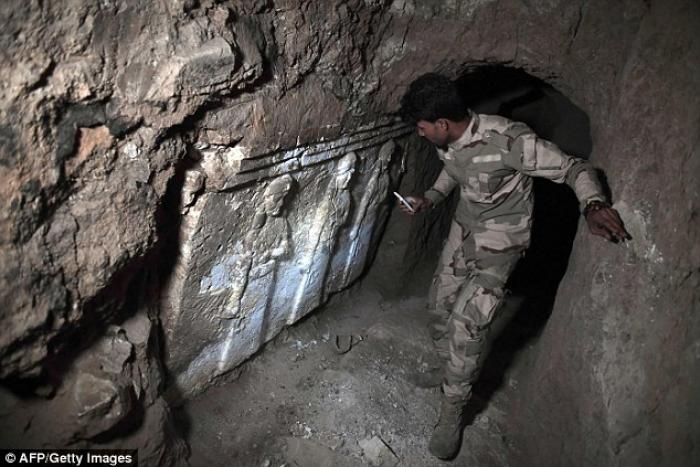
[468, 134]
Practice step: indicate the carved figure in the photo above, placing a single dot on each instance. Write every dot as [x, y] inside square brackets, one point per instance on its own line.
[323, 232]
[257, 255]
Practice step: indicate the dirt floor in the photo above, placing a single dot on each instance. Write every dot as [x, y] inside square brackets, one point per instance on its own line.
[299, 402]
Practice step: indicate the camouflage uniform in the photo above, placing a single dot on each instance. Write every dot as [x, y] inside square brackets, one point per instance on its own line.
[492, 163]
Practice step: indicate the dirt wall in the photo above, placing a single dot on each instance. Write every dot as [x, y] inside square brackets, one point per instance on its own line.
[105, 106]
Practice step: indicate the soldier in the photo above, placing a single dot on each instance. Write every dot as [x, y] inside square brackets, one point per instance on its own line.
[491, 160]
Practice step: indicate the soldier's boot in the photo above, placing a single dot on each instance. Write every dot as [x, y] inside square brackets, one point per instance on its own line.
[447, 436]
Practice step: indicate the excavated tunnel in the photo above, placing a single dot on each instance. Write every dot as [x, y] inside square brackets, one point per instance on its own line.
[201, 260]
[341, 350]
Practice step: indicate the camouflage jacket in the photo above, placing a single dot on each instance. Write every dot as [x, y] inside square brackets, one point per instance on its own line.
[492, 163]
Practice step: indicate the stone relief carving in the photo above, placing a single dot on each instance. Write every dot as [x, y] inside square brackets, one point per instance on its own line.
[264, 239]
[329, 218]
[254, 271]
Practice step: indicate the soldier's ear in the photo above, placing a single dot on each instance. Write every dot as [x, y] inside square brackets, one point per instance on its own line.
[442, 123]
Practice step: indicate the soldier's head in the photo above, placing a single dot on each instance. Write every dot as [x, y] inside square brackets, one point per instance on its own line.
[275, 193]
[433, 104]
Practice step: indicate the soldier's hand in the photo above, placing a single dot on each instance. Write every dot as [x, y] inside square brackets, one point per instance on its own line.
[418, 203]
[606, 223]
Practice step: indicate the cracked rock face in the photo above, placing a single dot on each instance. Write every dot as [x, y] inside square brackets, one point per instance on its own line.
[209, 171]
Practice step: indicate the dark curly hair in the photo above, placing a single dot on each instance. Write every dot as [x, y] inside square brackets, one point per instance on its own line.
[430, 97]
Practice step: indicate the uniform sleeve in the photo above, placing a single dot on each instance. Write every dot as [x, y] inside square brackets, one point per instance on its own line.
[441, 188]
[538, 157]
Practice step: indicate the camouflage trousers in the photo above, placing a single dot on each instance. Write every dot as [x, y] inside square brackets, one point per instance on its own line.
[466, 294]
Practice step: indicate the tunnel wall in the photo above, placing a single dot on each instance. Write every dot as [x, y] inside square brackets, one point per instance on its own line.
[613, 379]
[109, 108]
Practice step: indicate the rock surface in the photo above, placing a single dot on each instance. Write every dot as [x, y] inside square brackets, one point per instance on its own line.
[617, 361]
[133, 132]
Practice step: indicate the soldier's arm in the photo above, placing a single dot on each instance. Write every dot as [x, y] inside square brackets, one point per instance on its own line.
[442, 187]
[537, 157]
[437, 193]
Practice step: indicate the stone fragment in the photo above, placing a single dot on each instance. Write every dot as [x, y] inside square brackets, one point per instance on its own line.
[377, 452]
[100, 403]
[114, 352]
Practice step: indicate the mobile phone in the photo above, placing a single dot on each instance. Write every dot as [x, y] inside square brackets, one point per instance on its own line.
[404, 202]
